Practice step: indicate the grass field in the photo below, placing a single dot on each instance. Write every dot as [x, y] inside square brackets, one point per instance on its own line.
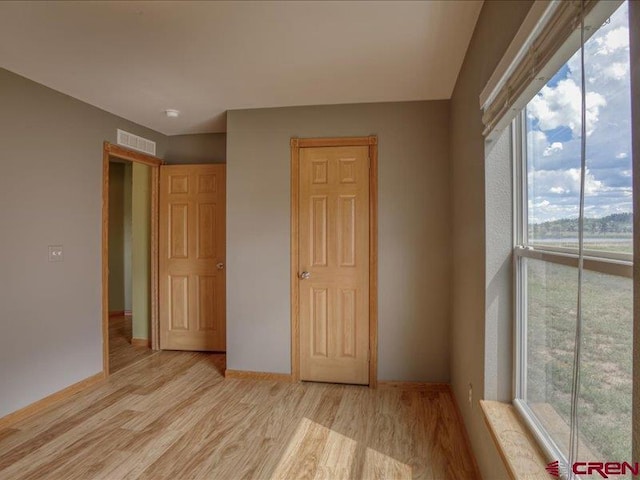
[602, 245]
[606, 378]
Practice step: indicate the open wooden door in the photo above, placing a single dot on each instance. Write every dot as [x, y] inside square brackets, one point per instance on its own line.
[192, 257]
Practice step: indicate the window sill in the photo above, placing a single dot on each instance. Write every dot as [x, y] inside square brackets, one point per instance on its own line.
[517, 447]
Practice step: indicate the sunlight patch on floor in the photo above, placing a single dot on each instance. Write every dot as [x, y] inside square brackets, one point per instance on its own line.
[379, 465]
[317, 452]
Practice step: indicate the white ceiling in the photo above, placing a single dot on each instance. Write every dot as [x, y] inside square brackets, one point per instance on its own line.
[139, 58]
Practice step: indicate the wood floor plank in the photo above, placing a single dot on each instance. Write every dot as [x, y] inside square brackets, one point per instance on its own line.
[174, 416]
[260, 432]
[197, 446]
[235, 450]
[121, 352]
[279, 427]
[58, 429]
[351, 421]
[301, 458]
[78, 457]
[134, 462]
[5, 433]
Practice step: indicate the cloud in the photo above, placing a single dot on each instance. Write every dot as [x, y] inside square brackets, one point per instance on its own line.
[551, 149]
[566, 182]
[612, 41]
[617, 70]
[537, 142]
[539, 145]
[561, 106]
[553, 136]
[555, 194]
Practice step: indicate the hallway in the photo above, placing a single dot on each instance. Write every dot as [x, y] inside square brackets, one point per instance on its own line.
[121, 352]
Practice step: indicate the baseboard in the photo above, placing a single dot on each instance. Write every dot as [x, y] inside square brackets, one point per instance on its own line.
[286, 377]
[50, 400]
[435, 387]
[246, 375]
[463, 427]
[141, 342]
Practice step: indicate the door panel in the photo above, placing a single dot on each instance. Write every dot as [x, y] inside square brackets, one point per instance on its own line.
[192, 244]
[334, 250]
[179, 302]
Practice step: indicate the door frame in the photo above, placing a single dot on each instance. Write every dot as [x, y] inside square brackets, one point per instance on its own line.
[296, 144]
[111, 150]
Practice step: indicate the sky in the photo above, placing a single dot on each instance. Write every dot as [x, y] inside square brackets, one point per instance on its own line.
[554, 131]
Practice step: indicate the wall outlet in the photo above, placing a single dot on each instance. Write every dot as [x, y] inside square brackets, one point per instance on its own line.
[56, 253]
[470, 394]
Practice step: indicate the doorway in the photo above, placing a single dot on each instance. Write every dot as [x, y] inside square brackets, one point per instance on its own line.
[334, 260]
[129, 256]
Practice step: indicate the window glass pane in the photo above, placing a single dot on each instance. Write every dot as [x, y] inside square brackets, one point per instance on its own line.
[606, 368]
[553, 147]
[607, 355]
[551, 324]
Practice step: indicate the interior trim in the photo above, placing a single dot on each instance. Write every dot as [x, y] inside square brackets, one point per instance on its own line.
[248, 375]
[422, 386]
[515, 444]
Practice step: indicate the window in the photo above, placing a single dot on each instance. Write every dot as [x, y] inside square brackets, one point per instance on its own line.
[548, 167]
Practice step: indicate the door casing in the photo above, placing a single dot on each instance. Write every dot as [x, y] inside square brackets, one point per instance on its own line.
[111, 150]
[296, 144]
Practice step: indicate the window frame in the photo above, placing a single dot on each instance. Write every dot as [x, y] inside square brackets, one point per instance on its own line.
[618, 264]
[521, 249]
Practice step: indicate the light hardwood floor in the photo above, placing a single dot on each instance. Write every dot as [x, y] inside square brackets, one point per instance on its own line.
[121, 352]
[174, 416]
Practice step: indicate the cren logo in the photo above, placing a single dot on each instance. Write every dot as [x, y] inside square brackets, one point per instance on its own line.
[553, 468]
[604, 469]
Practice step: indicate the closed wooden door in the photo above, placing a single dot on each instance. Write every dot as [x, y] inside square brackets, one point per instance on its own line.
[333, 271]
[192, 256]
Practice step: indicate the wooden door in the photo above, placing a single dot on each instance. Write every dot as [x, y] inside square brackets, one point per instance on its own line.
[192, 256]
[333, 271]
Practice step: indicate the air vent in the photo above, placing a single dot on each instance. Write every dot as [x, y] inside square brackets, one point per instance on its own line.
[130, 140]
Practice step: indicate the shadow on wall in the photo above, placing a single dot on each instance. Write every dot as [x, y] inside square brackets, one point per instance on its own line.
[197, 148]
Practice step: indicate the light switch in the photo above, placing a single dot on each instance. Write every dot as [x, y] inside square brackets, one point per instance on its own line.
[56, 253]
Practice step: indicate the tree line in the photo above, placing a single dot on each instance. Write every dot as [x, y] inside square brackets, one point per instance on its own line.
[611, 225]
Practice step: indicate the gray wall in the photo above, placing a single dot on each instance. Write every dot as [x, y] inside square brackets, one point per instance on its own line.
[128, 186]
[50, 193]
[197, 148]
[498, 342]
[414, 232]
[497, 24]
[141, 251]
[116, 237]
